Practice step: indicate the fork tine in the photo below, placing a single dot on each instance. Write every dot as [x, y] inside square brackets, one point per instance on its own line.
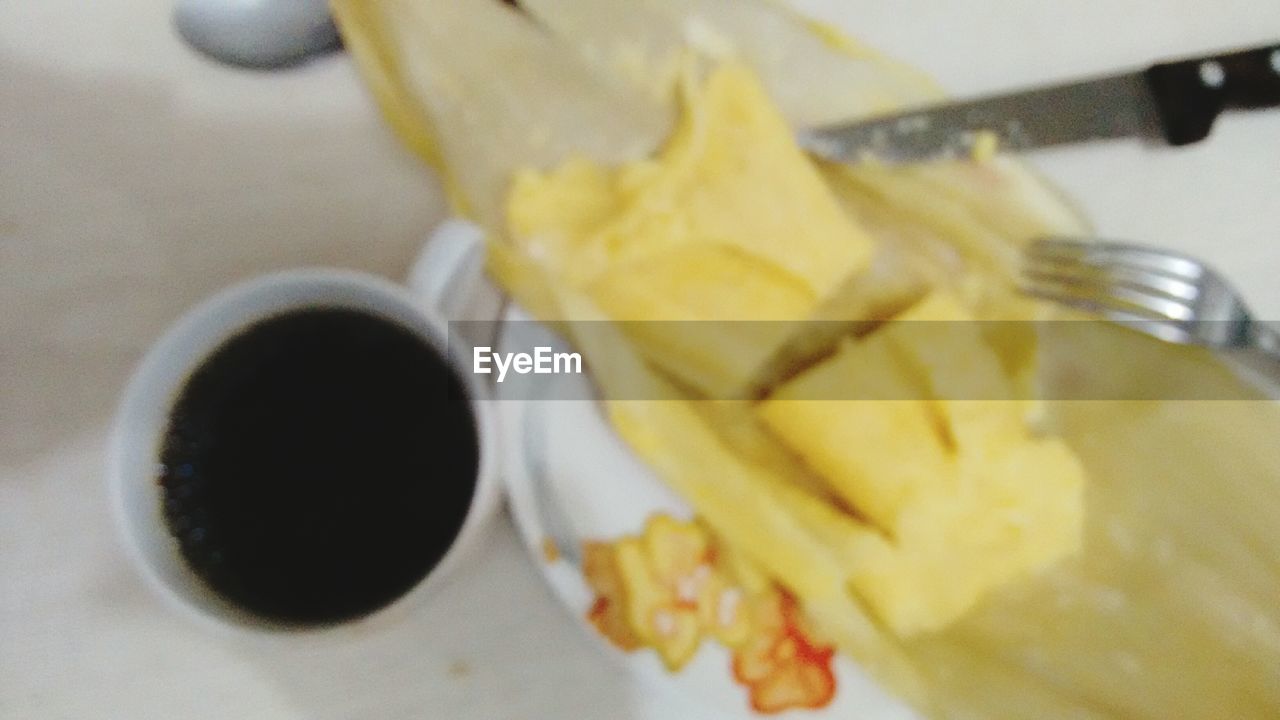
[1107, 275]
[1101, 296]
[1171, 296]
[1136, 257]
[1163, 328]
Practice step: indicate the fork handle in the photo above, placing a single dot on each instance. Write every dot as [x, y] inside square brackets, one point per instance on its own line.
[1190, 94]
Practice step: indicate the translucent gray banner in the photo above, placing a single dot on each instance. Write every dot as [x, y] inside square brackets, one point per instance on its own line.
[829, 361]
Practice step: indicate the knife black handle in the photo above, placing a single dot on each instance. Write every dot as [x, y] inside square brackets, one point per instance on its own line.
[1190, 94]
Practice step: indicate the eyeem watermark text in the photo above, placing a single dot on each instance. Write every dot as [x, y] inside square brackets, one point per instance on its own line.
[541, 362]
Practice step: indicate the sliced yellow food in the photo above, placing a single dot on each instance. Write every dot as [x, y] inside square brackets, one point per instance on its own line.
[736, 424]
[1021, 512]
[709, 314]
[966, 499]
[858, 420]
[732, 496]
[944, 346]
[730, 223]
[750, 185]
[732, 174]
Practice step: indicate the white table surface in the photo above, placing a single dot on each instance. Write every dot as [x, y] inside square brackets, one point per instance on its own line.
[136, 178]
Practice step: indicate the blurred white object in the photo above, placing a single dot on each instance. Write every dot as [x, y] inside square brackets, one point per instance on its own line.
[257, 33]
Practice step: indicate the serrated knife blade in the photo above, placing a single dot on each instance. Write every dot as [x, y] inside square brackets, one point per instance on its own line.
[1174, 102]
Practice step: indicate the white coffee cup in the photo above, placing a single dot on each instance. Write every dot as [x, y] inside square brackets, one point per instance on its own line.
[445, 275]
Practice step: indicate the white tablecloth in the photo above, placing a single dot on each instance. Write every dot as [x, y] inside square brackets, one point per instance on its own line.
[136, 178]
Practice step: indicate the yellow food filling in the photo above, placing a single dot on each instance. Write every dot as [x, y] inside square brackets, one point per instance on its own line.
[1170, 610]
[950, 496]
[729, 222]
[964, 497]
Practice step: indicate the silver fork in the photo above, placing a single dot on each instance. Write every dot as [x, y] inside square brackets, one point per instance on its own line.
[1171, 296]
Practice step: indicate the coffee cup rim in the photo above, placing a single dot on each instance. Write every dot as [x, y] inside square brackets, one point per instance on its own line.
[149, 394]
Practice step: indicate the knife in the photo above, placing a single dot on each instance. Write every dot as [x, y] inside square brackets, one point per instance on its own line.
[1173, 102]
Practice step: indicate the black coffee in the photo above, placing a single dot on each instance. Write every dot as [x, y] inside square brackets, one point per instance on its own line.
[318, 465]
